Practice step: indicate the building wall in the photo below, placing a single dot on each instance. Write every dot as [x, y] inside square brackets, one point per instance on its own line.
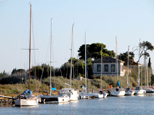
[121, 72]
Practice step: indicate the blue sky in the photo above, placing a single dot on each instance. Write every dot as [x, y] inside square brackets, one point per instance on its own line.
[102, 20]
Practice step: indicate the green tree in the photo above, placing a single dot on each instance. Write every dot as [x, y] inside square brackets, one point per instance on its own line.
[82, 51]
[149, 63]
[145, 46]
[124, 56]
[3, 74]
[93, 51]
[152, 79]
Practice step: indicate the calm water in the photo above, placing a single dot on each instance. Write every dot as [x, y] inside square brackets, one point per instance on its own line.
[130, 105]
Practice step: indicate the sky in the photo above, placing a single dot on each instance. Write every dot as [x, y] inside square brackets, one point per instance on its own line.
[102, 20]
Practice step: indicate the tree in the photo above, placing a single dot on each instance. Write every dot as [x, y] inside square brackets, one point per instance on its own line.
[82, 51]
[43, 70]
[3, 74]
[145, 46]
[17, 71]
[124, 56]
[93, 51]
[149, 63]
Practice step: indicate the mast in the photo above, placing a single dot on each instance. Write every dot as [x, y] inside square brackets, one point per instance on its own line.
[116, 57]
[127, 65]
[139, 66]
[147, 75]
[50, 55]
[145, 69]
[85, 61]
[30, 45]
[71, 56]
[101, 67]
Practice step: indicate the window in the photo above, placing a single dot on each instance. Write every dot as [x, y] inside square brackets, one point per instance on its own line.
[112, 68]
[121, 67]
[106, 68]
[99, 68]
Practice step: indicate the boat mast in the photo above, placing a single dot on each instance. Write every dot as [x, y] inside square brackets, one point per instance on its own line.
[147, 75]
[101, 67]
[139, 66]
[116, 57]
[71, 56]
[85, 61]
[145, 69]
[30, 46]
[50, 55]
[127, 65]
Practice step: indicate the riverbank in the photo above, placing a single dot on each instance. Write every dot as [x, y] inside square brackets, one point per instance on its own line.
[42, 86]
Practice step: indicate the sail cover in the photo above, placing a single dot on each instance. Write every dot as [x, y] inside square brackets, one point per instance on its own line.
[118, 84]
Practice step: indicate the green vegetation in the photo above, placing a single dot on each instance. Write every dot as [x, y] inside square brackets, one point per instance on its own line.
[60, 82]
[17, 82]
[94, 51]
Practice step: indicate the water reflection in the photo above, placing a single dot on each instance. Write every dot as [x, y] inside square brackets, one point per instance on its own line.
[149, 94]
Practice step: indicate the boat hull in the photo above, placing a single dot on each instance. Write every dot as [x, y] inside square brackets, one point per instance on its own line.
[140, 92]
[54, 99]
[118, 93]
[26, 102]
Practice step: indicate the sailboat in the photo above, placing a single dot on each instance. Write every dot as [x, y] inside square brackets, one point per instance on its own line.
[53, 99]
[85, 94]
[72, 93]
[26, 98]
[139, 90]
[101, 94]
[128, 91]
[117, 91]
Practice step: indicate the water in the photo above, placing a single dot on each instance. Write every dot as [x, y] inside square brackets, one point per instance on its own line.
[128, 105]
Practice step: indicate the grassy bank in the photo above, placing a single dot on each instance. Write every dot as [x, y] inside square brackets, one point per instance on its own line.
[60, 82]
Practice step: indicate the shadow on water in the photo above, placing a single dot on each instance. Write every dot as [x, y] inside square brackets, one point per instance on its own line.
[149, 94]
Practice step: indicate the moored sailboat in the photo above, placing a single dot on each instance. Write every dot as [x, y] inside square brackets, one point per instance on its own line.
[128, 91]
[53, 99]
[26, 98]
[117, 91]
[72, 93]
[139, 90]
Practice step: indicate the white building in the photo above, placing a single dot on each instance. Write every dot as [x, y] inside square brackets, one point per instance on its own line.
[109, 67]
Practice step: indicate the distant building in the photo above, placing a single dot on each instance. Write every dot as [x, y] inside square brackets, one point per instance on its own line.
[109, 67]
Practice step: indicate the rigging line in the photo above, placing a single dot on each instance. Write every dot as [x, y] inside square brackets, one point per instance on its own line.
[41, 79]
[68, 45]
[34, 53]
[23, 39]
[47, 51]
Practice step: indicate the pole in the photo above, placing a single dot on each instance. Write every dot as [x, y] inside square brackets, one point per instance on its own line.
[139, 65]
[71, 56]
[127, 65]
[85, 61]
[30, 46]
[116, 58]
[101, 67]
[50, 55]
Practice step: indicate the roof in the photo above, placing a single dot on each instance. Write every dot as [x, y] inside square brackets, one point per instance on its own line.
[107, 60]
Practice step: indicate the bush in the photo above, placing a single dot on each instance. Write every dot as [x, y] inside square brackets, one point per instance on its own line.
[10, 80]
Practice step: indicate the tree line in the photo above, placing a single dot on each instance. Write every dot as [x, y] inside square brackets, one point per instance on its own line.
[93, 52]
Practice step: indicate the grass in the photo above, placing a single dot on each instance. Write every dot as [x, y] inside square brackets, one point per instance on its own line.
[59, 82]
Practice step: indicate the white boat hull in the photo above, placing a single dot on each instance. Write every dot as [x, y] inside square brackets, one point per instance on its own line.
[54, 99]
[118, 93]
[129, 92]
[140, 92]
[83, 95]
[71, 93]
[26, 102]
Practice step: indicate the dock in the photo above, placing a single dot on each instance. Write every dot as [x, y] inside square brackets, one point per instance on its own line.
[6, 101]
